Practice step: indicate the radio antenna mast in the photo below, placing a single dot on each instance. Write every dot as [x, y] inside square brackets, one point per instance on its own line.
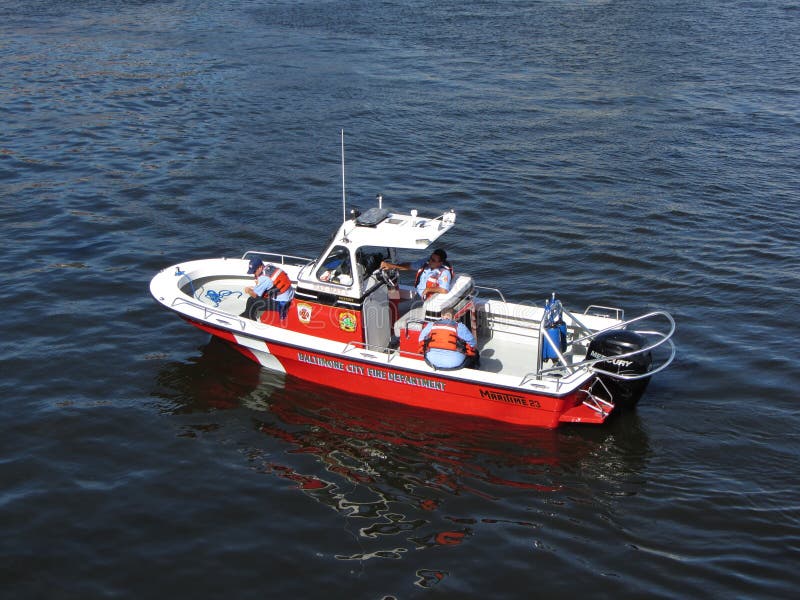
[344, 208]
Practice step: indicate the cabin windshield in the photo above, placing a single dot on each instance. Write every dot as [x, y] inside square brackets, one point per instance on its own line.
[369, 258]
[336, 267]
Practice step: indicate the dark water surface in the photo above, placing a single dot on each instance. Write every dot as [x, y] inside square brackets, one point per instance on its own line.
[643, 154]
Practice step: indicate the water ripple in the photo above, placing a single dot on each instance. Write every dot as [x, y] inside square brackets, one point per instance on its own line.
[643, 156]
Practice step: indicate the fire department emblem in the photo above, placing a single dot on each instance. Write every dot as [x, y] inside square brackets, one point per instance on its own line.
[347, 322]
[304, 313]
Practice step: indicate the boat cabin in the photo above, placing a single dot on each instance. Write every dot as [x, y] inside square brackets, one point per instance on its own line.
[344, 296]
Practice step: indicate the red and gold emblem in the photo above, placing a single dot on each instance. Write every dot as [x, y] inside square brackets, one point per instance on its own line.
[348, 322]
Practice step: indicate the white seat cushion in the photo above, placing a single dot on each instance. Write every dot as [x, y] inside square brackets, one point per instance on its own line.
[461, 288]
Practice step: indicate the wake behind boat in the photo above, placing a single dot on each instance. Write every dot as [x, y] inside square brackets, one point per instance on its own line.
[352, 326]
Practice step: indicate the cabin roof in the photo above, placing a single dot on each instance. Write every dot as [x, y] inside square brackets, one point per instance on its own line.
[380, 227]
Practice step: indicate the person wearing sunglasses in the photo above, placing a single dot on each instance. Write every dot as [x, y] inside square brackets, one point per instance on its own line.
[434, 276]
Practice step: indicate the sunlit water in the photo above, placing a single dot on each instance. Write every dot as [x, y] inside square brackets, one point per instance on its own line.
[635, 154]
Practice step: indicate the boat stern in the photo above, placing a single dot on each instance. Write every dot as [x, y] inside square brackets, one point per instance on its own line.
[584, 413]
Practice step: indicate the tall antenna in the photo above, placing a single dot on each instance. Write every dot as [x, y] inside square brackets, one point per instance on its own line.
[344, 208]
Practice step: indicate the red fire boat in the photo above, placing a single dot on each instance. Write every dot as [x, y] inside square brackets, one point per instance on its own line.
[354, 326]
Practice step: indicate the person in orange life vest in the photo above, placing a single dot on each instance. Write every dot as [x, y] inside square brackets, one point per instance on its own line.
[272, 290]
[434, 276]
[448, 344]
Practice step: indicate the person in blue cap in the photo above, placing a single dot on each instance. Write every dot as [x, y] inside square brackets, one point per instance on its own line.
[272, 290]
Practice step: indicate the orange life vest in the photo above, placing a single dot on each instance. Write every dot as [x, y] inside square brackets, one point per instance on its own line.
[444, 335]
[280, 280]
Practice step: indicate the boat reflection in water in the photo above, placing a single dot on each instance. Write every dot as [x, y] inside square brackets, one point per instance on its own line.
[420, 478]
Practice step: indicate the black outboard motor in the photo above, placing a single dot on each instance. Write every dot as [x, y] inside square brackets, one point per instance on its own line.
[624, 392]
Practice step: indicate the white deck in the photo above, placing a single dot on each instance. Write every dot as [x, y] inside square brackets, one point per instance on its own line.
[513, 357]
[508, 339]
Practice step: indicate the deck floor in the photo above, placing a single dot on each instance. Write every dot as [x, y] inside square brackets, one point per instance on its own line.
[515, 355]
[512, 356]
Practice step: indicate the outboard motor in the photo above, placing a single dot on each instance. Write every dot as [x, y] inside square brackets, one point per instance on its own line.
[625, 393]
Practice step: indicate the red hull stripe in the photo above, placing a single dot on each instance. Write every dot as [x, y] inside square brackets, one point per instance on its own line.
[425, 390]
[227, 336]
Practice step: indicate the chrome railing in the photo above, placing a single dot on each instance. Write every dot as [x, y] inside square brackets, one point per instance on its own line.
[284, 258]
[390, 353]
[661, 338]
[221, 317]
[490, 289]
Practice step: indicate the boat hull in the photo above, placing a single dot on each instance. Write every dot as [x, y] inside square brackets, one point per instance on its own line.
[433, 391]
[352, 326]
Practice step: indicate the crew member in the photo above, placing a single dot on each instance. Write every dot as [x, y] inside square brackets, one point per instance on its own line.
[272, 290]
[448, 344]
[434, 276]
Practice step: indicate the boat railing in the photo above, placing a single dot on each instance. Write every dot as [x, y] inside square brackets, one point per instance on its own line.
[659, 338]
[390, 353]
[595, 401]
[489, 289]
[630, 377]
[446, 219]
[604, 311]
[220, 317]
[284, 259]
[594, 310]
